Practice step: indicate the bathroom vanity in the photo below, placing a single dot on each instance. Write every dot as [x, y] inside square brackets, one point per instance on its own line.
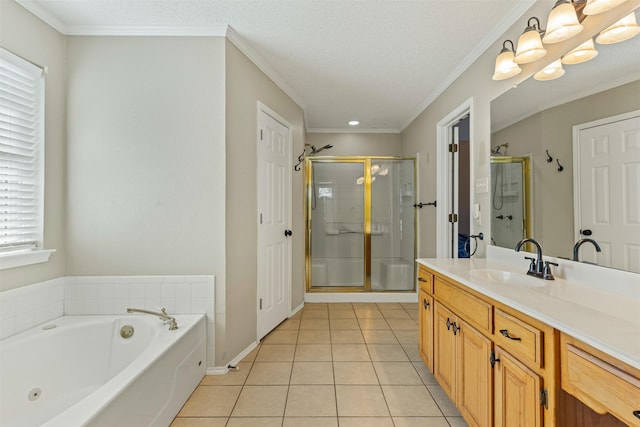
[515, 350]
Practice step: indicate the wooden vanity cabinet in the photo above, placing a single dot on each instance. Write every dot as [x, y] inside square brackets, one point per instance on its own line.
[425, 326]
[425, 316]
[602, 383]
[461, 365]
[516, 392]
[497, 365]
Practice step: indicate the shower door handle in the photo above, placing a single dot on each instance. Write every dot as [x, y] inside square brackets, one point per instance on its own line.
[288, 233]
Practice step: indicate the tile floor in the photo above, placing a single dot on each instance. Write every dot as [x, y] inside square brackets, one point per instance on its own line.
[342, 364]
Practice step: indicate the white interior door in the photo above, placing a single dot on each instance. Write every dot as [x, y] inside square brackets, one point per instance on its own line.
[608, 193]
[274, 222]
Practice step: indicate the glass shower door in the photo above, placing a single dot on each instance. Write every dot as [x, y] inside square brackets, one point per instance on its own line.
[392, 224]
[336, 215]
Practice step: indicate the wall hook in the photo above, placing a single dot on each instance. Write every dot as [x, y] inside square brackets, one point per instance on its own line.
[560, 167]
[300, 160]
[549, 158]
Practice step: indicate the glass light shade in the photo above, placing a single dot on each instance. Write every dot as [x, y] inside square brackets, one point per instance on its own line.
[562, 23]
[550, 72]
[622, 30]
[594, 7]
[580, 54]
[505, 67]
[529, 47]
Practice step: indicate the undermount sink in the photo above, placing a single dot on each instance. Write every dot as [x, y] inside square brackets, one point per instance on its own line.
[507, 277]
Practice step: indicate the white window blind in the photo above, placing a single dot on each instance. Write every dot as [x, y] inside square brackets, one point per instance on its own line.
[21, 153]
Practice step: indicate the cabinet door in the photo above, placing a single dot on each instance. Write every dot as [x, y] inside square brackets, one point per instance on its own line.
[473, 376]
[444, 355]
[425, 321]
[517, 393]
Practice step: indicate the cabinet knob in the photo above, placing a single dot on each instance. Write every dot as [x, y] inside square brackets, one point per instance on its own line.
[636, 414]
[505, 334]
[449, 324]
[425, 304]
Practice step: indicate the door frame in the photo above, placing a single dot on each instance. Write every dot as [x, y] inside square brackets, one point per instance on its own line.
[444, 131]
[263, 109]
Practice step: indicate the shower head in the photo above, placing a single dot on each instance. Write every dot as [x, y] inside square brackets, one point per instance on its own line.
[315, 150]
[498, 149]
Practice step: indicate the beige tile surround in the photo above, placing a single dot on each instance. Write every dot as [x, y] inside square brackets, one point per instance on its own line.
[331, 365]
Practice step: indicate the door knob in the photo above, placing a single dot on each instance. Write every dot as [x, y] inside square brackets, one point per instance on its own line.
[287, 233]
[586, 232]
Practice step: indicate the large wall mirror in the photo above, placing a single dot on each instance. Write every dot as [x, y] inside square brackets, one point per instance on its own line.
[537, 119]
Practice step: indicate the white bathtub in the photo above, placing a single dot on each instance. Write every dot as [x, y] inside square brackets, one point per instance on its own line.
[83, 373]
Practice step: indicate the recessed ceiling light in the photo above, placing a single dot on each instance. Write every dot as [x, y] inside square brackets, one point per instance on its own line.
[354, 123]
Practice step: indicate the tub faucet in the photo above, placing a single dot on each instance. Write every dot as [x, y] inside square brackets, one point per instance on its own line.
[162, 315]
[580, 242]
[538, 267]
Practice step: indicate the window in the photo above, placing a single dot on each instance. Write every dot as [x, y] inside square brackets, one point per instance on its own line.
[21, 155]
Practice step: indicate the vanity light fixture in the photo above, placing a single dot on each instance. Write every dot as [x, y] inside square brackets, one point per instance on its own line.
[583, 53]
[550, 72]
[594, 7]
[622, 30]
[505, 67]
[353, 123]
[530, 44]
[562, 23]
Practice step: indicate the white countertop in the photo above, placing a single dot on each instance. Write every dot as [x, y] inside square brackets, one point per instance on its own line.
[608, 321]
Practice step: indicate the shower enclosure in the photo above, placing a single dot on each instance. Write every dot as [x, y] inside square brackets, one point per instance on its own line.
[360, 224]
[509, 200]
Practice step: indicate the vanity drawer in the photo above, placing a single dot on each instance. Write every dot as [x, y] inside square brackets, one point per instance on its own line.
[601, 386]
[425, 279]
[469, 307]
[521, 339]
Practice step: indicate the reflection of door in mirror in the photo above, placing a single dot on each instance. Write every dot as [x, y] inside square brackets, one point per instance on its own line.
[607, 196]
[509, 200]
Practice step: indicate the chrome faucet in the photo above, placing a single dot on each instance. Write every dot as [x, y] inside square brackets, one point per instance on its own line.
[538, 267]
[162, 315]
[580, 242]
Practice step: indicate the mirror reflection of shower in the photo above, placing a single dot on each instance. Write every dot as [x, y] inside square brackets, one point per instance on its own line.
[509, 199]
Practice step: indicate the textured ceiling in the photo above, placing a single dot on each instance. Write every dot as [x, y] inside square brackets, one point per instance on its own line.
[378, 61]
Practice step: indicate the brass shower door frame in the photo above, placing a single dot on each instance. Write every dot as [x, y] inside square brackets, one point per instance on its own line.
[525, 161]
[308, 183]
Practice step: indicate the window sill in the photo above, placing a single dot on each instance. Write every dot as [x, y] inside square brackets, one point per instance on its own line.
[19, 259]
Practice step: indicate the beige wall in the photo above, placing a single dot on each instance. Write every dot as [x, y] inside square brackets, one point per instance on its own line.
[356, 144]
[475, 84]
[29, 37]
[146, 149]
[245, 86]
[552, 129]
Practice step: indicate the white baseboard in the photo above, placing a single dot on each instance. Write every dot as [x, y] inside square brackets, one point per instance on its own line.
[297, 309]
[361, 297]
[221, 370]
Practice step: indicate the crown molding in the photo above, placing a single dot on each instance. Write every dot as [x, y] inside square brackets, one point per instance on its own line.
[215, 30]
[491, 37]
[148, 30]
[337, 130]
[253, 56]
[43, 14]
